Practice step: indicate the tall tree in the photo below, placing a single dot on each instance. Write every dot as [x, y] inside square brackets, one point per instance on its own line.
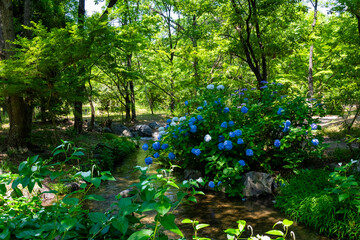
[310, 77]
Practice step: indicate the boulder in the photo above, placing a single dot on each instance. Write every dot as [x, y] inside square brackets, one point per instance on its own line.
[192, 174]
[121, 130]
[143, 130]
[257, 183]
[154, 125]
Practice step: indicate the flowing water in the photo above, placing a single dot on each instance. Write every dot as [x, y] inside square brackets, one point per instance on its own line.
[214, 208]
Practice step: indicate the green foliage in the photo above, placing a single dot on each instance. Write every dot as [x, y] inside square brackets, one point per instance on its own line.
[324, 200]
[202, 141]
[113, 151]
[25, 218]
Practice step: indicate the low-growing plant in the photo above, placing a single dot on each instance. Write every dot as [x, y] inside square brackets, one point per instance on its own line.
[327, 201]
[225, 133]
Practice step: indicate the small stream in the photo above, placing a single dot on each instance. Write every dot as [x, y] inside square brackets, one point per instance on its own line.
[214, 208]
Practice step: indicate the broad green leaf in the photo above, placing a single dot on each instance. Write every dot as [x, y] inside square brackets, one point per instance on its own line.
[95, 197]
[97, 217]
[68, 223]
[186, 220]
[241, 224]
[5, 235]
[343, 197]
[95, 181]
[192, 199]
[71, 201]
[232, 231]
[200, 226]
[143, 234]
[287, 223]
[275, 232]
[168, 222]
[121, 223]
[162, 207]
[106, 176]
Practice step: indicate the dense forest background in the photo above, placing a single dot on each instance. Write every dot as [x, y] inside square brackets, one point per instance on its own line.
[55, 58]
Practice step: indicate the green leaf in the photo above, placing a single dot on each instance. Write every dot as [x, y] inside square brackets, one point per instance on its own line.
[78, 154]
[192, 199]
[97, 217]
[275, 232]
[200, 226]
[95, 181]
[2, 188]
[56, 174]
[186, 220]
[143, 234]
[168, 222]
[95, 197]
[232, 231]
[287, 223]
[241, 225]
[68, 223]
[71, 201]
[5, 235]
[106, 176]
[343, 197]
[121, 223]
[162, 207]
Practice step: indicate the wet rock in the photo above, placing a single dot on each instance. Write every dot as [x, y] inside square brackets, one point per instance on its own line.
[127, 193]
[192, 174]
[144, 130]
[154, 125]
[120, 130]
[106, 130]
[73, 186]
[257, 183]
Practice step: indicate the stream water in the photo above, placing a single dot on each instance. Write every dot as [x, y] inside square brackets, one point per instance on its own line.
[214, 208]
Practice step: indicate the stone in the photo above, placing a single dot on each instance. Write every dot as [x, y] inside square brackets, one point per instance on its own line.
[107, 130]
[118, 128]
[257, 183]
[144, 130]
[127, 193]
[192, 174]
[154, 125]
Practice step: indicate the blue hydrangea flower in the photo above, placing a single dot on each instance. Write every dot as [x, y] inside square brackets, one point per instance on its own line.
[167, 126]
[221, 138]
[200, 118]
[175, 136]
[220, 87]
[224, 125]
[226, 110]
[242, 163]
[232, 134]
[211, 184]
[156, 146]
[192, 120]
[313, 126]
[280, 111]
[205, 103]
[156, 155]
[168, 121]
[287, 123]
[253, 88]
[171, 156]
[263, 87]
[196, 151]
[241, 93]
[231, 123]
[210, 86]
[244, 89]
[193, 128]
[145, 147]
[286, 129]
[264, 82]
[164, 146]
[200, 108]
[221, 146]
[244, 109]
[220, 182]
[186, 102]
[238, 132]
[240, 141]
[249, 152]
[315, 142]
[277, 143]
[148, 160]
[228, 145]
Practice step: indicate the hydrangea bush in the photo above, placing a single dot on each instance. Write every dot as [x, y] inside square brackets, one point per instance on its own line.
[224, 133]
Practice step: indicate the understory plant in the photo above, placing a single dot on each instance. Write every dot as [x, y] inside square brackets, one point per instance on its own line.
[224, 133]
[22, 215]
[325, 200]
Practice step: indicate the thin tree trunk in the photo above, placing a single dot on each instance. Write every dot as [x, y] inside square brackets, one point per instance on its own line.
[78, 118]
[132, 91]
[27, 16]
[92, 119]
[310, 76]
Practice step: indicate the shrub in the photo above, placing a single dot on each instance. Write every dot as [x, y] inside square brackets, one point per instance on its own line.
[265, 129]
[327, 201]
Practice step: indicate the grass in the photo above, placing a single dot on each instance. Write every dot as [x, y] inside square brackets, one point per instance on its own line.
[305, 200]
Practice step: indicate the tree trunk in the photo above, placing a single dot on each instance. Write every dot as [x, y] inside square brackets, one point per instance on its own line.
[310, 76]
[132, 91]
[20, 116]
[358, 18]
[92, 120]
[78, 119]
[27, 16]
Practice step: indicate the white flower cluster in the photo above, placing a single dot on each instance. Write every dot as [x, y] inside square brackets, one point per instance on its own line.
[210, 86]
[182, 119]
[207, 138]
[220, 87]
